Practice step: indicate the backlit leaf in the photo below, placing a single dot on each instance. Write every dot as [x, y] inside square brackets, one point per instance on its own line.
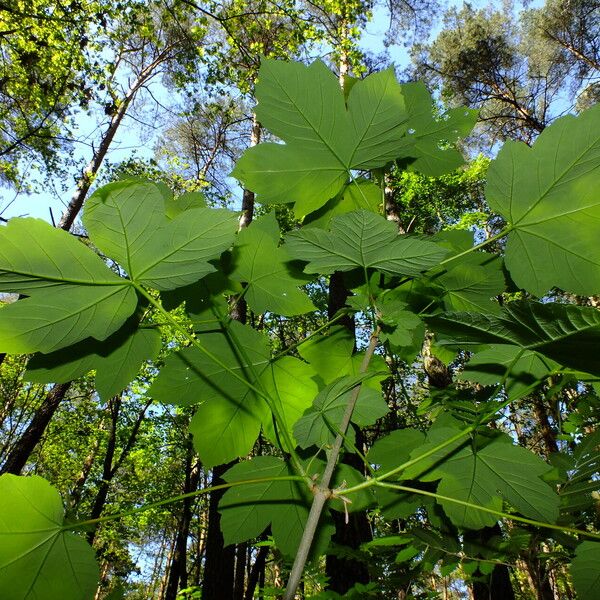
[261, 264]
[548, 195]
[39, 559]
[127, 221]
[362, 239]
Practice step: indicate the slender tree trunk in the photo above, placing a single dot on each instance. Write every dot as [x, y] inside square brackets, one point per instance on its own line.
[217, 583]
[91, 170]
[241, 553]
[248, 196]
[109, 470]
[21, 452]
[258, 569]
[178, 574]
[344, 572]
[548, 434]
[77, 490]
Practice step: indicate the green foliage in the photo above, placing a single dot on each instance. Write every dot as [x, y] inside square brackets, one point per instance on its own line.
[178, 265]
[584, 570]
[362, 240]
[326, 139]
[39, 557]
[246, 511]
[546, 194]
[261, 264]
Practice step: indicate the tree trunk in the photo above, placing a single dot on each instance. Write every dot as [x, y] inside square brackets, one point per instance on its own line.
[77, 490]
[344, 572]
[258, 570]
[21, 452]
[219, 567]
[109, 470]
[89, 173]
[241, 557]
[178, 574]
[217, 583]
[548, 434]
[497, 585]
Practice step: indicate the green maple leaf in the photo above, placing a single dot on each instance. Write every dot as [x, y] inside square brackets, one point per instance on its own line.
[327, 138]
[567, 334]
[584, 570]
[72, 294]
[361, 239]
[525, 368]
[548, 195]
[291, 383]
[229, 414]
[116, 360]
[39, 558]
[127, 221]
[261, 264]
[358, 195]
[388, 452]
[247, 510]
[483, 472]
[319, 423]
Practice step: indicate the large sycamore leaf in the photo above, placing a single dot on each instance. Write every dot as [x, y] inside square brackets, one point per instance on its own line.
[39, 558]
[581, 483]
[229, 414]
[387, 453]
[327, 138]
[126, 220]
[471, 284]
[292, 384]
[116, 360]
[319, 423]
[34, 256]
[585, 571]
[358, 195]
[261, 264]
[72, 294]
[247, 510]
[483, 472]
[565, 333]
[61, 316]
[549, 196]
[362, 239]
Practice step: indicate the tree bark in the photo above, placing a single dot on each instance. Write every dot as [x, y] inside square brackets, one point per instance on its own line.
[258, 569]
[217, 583]
[178, 574]
[219, 568]
[241, 557]
[109, 470]
[344, 572]
[21, 452]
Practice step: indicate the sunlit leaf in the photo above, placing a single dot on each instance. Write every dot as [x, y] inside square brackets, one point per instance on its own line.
[548, 195]
[365, 240]
[39, 558]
